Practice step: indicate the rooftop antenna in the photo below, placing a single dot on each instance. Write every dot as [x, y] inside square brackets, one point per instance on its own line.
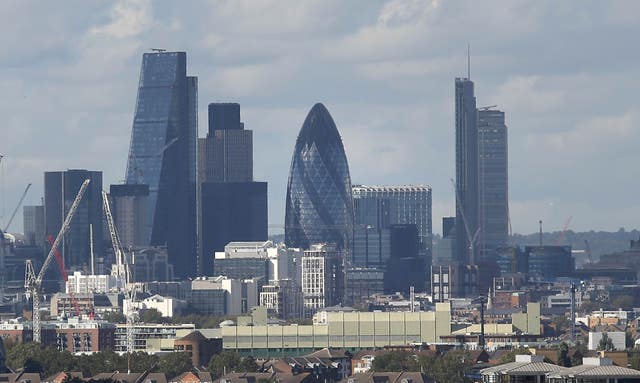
[468, 61]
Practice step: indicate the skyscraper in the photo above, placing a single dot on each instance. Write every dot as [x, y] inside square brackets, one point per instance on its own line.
[60, 189]
[494, 210]
[232, 206]
[319, 204]
[227, 151]
[162, 154]
[467, 169]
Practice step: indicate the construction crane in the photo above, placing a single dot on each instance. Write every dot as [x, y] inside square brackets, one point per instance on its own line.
[564, 231]
[33, 282]
[65, 277]
[15, 211]
[123, 272]
[471, 238]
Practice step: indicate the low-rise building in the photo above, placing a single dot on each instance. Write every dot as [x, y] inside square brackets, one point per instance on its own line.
[150, 338]
[167, 307]
[599, 370]
[618, 339]
[526, 368]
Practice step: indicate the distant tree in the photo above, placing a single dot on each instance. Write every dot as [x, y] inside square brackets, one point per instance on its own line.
[151, 316]
[114, 317]
[563, 355]
[452, 366]
[606, 343]
[231, 361]
[629, 342]
[174, 364]
[634, 360]
[511, 355]
[395, 361]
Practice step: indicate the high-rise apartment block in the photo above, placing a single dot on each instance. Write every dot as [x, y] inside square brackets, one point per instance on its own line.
[60, 189]
[379, 207]
[33, 220]
[162, 155]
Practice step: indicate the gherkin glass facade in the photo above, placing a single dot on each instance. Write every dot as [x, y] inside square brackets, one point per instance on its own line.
[319, 206]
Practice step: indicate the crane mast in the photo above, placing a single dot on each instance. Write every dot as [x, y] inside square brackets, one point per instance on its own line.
[32, 282]
[123, 273]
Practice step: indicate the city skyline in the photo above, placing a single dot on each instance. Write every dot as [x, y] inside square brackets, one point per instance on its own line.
[563, 137]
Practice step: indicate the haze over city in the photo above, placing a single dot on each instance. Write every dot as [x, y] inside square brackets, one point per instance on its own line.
[565, 74]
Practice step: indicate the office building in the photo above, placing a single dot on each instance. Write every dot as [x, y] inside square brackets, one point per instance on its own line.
[282, 298]
[378, 207]
[33, 219]
[264, 260]
[362, 283]
[494, 189]
[151, 264]
[322, 278]
[232, 206]
[79, 283]
[130, 203]
[238, 296]
[231, 211]
[371, 246]
[162, 155]
[406, 267]
[60, 190]
[226, 154]
[467, 167]
[444, 252]
[549, 261]
[319, 204]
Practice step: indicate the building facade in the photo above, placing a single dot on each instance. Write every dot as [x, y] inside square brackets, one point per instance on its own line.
[34, 227]
[319, 205]
[379, 207]
[232, 206]
[162, 155]
[231, 211]
[130, 203]
[60, 190]
[322, 278]
[467, 169]
[494, 186]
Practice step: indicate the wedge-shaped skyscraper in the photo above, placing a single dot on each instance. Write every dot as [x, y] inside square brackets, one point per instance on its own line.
[162, 155]
[319, 206]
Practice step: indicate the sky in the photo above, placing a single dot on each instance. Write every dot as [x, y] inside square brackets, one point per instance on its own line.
[565, 73]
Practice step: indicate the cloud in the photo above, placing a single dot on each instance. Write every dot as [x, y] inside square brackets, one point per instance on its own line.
[128, 18]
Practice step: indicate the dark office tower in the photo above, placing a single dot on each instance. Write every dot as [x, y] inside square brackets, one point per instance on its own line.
[494, 221]
[129, 208]
[405, 268]
[60, 189]
[227, 152]
[231, 212]
[467, 167]
[232, 206]
[33, 219]
[319, 205]
[162, 154]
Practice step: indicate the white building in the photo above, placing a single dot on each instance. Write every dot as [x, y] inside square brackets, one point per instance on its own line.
[563, 300]
[240, 295]
[165, 306]
[617, 338]
[281, 259]
[322, 278]
[283, 298]
[79, 283]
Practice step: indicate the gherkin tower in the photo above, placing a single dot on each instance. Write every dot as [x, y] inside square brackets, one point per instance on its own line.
[319, 206]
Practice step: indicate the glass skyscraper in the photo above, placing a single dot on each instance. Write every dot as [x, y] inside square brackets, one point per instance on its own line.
[494, 210]
[162, 154]
[319, 205]
[467, 183]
